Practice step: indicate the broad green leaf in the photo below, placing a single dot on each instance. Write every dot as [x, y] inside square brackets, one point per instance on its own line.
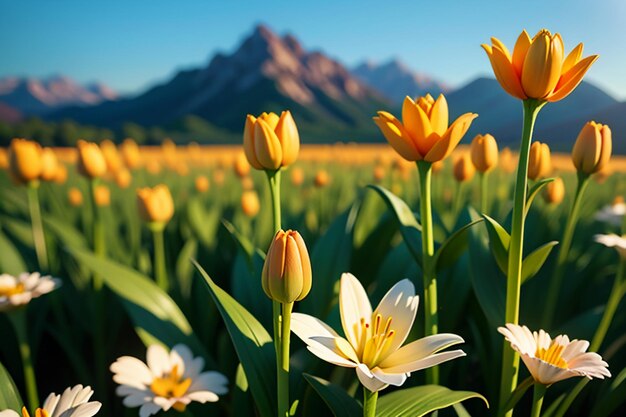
[499, 240]
[243, 242]
[9, 395]
[419, 401]
[339, 402]
[11, 261]
[204, 222]
[535, 260]
[453, 247]
[409, 227]
[67, 234]
[252, 343]
[246, 287]
[534, 191]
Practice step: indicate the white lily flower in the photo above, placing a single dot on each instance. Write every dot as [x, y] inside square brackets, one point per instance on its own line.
[613, 241]
[552, 360]
[168, 380]
[373, 340]
[17, 291]
[74, 402]
[612, 214]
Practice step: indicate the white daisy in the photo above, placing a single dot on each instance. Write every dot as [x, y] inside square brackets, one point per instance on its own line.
[552, 360]
[74, 402]
[613, 241]
[612, 214]
[17, 291]
[168, 380]
[373, 340]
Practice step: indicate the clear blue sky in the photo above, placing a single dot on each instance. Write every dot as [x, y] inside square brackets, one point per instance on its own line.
[131, 44]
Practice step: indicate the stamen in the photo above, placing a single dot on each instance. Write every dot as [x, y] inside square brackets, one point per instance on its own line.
[552, 355]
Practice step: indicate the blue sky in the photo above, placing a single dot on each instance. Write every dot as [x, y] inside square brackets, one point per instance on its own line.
[132, 44]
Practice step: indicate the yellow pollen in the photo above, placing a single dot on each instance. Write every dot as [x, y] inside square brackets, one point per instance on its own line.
[9, 291]
[171, 385]
[379, 337]
[552, 355]
[40, 412]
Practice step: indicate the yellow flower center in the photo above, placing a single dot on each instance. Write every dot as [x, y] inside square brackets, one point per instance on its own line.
[171, 385]
[40, 412]
[373, 341]
[552, 355]
[9, 291]
[426, 103]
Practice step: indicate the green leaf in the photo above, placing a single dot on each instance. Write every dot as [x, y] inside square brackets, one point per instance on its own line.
[9, 395]
[252, 343]
[517, 395]
[534, 191]
[11, 261]
[453, 247]
[409, 227]
[244, 243]
[66, 233]
[612, 400]
[499, 240]
[419, 401]
[184, 268]
[339, 402]
[535, 260]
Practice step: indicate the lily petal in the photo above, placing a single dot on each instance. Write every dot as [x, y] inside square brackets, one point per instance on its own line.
[368, 379]
[424, 363]
[354, 306]
[421, 349]
[388, 378]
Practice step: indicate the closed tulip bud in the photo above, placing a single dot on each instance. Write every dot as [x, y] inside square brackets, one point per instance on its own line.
[153, 167]
[75, 197]
[250, 203]
[508, 162]
[130, 154]
[464, 168]
[539, 162]
[25, 163]
[592, 150]
[49, 164]
[202, 184]
[91, 162]
[61, 175]
[321, 178]
[297, 176]
[102, 195]
[123, 178]
[111, 156]
[484, 152]
[271, 142]
[554, 191]
[242, 167]
[287, 272]
[4, 158]
[155, 204]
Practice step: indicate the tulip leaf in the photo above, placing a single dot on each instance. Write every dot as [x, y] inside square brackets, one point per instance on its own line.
[535, 260]
[9, 395]
[252, 343]
[65, 232]
[409, 227]
[11, 261]
[453, 247]
[338, 400]
[499, 240]
[244, 243]
[534, 191]
[184, 269]
[419, 401]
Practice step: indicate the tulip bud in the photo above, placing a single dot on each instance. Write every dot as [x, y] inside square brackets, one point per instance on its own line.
[464, 169]
[75, 197]
[111, 156]
[247, 183]
[250, 203]
[219, 177]
[554, 191]
[202, 184]
[123, 178]
[130, 153]
[271, 142]
[4, 158]
[25, 160]
[297, 176]
[484, 151]
[242, 167]
[153, 167]
[102, 195]
[592, 150]
[508, 163]
[155, 204]
[539, 162]
[91, 162]
[287, 272]
[49, 164]
[60, 176]
[321, 178]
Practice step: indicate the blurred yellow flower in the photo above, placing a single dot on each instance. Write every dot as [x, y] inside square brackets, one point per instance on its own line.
[130, 153]
[463, 169]
[155, 204]
[91, 162]
[202, 184]
[75, 197]
[271, 142]
[554, 191]
[49, 165]
[297, 176]
[123, 178]
[102, 195]
[25, 163]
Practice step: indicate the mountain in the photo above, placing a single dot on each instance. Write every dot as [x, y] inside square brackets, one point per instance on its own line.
[8, 114]
[267, 72]
[32, 96]
[501, 114]
[395, 80]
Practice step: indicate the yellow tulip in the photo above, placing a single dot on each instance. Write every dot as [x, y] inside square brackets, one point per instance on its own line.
[424, 133]
[539, 162]
[155, 204]
[271, 142]
[554, 191]
[538, 68]
[91, 162]
[242, 167]
[464, 168]
[49, 165]
[507, 162]
[75, 197]
[60, 176]
[123, 178]
[592, 150]
[250, 204]
[25, 163]
[4, 158]
[111, 156]
[484, 152]
[202, 184]
[130, 153]
[102, 196]
[321, 178]
[287, 272]
[379, 173]
[297, 176]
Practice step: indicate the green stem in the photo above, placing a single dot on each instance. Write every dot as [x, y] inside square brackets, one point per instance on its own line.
[283, 364]
[160, 268]
[37, 225]
[369, 402]
[428, 251]
[274, 180]
[510, 358]
[564, 248]
[18, 318]
[483, 192]
[456, 207]
[538, 393]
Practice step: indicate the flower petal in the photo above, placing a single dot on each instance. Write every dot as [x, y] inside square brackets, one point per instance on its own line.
[519, 52]
[439, 115]
[389, 378]
[354, 306]
[504, 72]
[368, 379]
[421, 348]
[416, 123]
[427, 362]
[570, 80]
[158, 360]
[397, 136]
[311, 330]
[451, 138]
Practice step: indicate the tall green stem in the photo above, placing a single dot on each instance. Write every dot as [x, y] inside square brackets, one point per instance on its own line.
[18, 318]
[160, 269]
[370, 399]
[37, 225]
[483, 192]
[428, 269]
[274, 181]
[538, 394]
[510, 358]
[564, 247]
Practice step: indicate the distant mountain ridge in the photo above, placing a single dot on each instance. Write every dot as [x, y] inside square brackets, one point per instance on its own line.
[33, 96]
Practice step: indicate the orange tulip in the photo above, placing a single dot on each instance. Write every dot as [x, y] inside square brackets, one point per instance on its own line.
[539, 162]
[271, 142]
[592, 150]
[91, 162]
[25, 163]
[464, 168]
[424, 133]
[102, 196]
[297, 176]
[321, 178]
[155, 204]
[75, 197]
[202, 184]
[554, 191]
[250, 203]
[49, 165]
[538, 69]
[484, 152]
